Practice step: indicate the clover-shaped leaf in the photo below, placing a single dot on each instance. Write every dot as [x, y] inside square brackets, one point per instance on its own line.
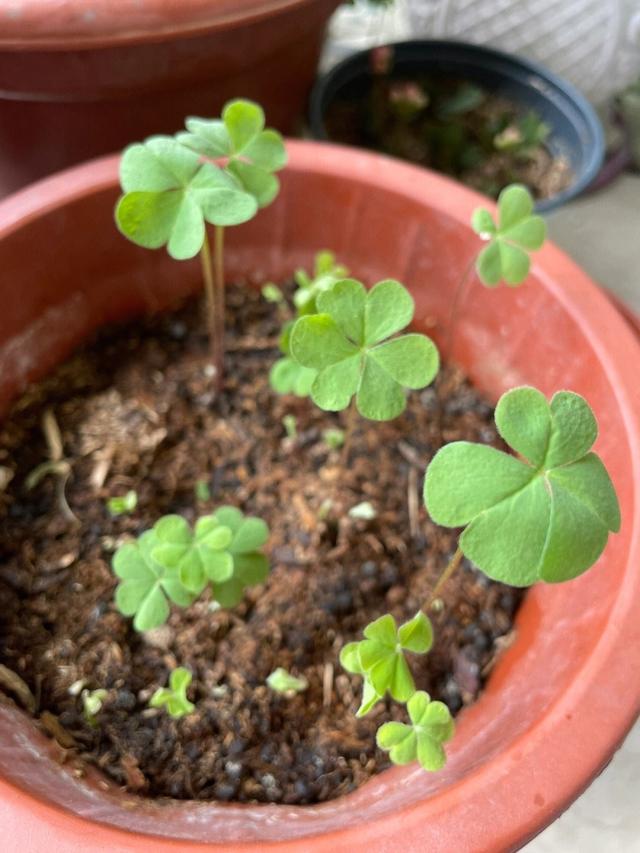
[431, 726]
[380, 659]
[145, 585]
[347, 344]
[517, 233]
[546, 516]
[169, 195]
[250, 565]
[252, 153]
[197, 557]
[174, 697]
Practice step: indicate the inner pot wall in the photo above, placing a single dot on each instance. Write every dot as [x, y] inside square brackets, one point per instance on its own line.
[564, 694]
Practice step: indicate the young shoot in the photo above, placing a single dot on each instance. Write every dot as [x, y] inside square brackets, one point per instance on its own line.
[544, 514]
[286, 375]
[92, 701]
[333, 438]
[174, 563]
[353, 345]
[430, 726]
[124, 504]
[281, 681]
[510, 240]
[174, 697]
[170, 194]
[517, 232]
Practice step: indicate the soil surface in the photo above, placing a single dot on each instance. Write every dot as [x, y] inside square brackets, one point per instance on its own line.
[137, 410]
[455, 127]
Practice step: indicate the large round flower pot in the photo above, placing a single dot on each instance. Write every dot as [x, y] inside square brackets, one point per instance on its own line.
[79, 79]
[563, 695]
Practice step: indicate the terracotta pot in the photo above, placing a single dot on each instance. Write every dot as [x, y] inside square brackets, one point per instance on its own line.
[79, 79]
[565, 693]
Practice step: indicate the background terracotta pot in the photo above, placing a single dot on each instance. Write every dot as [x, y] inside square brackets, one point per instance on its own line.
[79, 79]
[564, 694]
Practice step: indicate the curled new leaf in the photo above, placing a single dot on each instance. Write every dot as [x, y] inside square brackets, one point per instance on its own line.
[431, 726]
[169, 195]
[517, 233]
[252, 153]
[544, 516]
[351, 346]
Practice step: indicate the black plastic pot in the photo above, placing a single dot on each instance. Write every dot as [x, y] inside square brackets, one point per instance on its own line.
[576, 132]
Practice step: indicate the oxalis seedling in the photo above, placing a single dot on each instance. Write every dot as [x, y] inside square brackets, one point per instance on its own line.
[506, 257]
[543, 515]
[281, 681]
[174, 563]
[171, 192]
[174, 697]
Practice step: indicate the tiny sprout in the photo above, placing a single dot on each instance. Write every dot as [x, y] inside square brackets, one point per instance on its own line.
[283, 682]
[431, 726]
[124, 504]
[351, 346]
[333, 438]
[543, 516]
[202, 491]
[272, 293]
[174, 697]
[380, 659]
[364, 511]
[289, 423]
[92, 701]
[519, 232]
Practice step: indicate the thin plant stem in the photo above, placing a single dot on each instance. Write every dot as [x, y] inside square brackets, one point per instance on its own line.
[465, 279]
[452, 565]
[220, 303]
[214, 290]
[351, 418]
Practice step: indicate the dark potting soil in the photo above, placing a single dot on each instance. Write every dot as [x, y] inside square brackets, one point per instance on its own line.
[137, 411]
[455, 127]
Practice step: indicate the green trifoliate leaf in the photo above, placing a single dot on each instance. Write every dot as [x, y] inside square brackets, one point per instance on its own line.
[380, 656]
[174, 697]
[282, 681]
[431, 726]
[252, 153]
[346, 344]
[197, 557]
[145, 585]
[250, 565]
[169, 195]
[544, 517]
[519, 232]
